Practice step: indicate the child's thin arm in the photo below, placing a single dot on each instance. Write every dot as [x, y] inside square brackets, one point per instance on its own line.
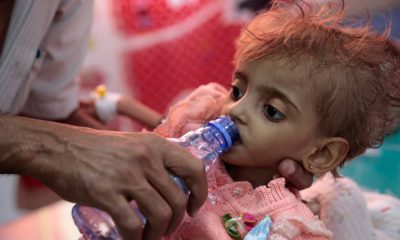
[85, 116]
[138, 111]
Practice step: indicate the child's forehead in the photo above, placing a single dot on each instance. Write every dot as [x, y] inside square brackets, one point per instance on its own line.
[282, 69]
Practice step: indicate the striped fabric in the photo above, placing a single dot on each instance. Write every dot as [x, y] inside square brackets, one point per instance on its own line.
[42, 54]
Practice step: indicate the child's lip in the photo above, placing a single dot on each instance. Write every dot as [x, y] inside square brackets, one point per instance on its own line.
[237, 142]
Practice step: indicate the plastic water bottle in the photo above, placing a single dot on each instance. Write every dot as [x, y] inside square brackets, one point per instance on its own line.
[206, 143]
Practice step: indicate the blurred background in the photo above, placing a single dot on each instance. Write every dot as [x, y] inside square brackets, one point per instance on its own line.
[159, 50]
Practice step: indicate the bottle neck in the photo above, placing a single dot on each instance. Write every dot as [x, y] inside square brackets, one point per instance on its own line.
[219, 134]
[215, 136]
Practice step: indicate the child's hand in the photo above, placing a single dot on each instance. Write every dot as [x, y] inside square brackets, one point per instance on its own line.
[85, 116]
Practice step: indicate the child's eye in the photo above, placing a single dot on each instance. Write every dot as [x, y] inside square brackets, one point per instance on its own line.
[236, 93]
[273, 114]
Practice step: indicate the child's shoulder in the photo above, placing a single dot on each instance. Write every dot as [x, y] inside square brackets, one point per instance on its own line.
[192, 111]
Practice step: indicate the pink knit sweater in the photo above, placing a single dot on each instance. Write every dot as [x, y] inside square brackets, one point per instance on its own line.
[291, 219]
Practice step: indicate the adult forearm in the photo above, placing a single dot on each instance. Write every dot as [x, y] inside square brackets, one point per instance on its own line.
[106, 170]
[27, 145]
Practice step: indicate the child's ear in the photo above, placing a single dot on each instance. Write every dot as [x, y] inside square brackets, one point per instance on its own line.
[327, 156]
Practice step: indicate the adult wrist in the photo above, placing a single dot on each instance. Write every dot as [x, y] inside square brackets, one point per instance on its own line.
[28, 146]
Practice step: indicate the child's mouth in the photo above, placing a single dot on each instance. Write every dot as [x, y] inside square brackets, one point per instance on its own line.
[237, 142]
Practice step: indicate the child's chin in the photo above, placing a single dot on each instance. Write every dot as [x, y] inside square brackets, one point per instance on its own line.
[230, 157]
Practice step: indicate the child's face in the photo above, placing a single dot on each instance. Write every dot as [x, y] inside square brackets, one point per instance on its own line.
[271, 105]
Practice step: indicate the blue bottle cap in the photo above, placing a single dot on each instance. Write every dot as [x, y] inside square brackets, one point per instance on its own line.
[228, 129]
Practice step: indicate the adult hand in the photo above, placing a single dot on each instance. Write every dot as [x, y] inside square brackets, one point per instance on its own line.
[107, 170]
[111, 169]
[296, 176]
[298, 179]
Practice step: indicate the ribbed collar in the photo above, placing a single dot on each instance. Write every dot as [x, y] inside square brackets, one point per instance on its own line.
[241, 195]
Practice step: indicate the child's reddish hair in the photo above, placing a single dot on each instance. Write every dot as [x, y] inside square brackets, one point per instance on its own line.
[355, 71]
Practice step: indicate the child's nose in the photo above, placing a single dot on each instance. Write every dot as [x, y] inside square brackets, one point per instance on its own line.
[237, 111]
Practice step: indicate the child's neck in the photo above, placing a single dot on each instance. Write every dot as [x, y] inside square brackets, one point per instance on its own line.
[256, 176]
